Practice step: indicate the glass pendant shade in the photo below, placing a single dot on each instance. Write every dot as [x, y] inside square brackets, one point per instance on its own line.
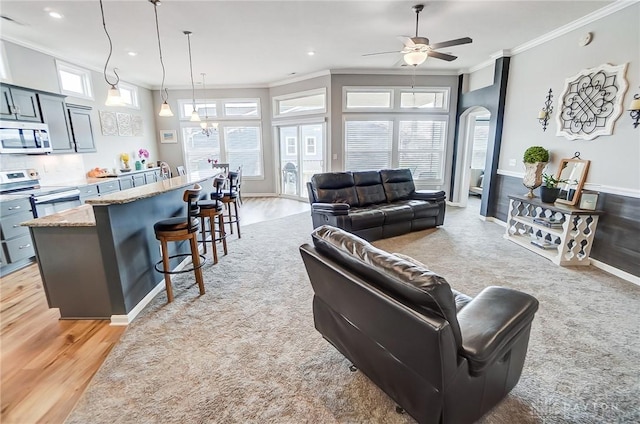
[113, 97]
[194, 116]
[165, 110]
[203, 125]
[415, 58]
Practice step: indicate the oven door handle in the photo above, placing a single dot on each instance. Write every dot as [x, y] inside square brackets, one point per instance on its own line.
[57, 197]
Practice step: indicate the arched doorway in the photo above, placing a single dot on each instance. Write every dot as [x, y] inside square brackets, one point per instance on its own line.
[473, 131]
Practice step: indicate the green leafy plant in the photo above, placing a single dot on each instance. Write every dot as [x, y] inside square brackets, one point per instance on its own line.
[535, 154]
[551, 182]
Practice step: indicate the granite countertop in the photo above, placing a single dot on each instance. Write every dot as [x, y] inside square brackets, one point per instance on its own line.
[150, 190]
[82, 216]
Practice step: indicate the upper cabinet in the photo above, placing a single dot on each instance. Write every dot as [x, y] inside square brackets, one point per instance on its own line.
[19, 104]
[81, 128]
[54, 114]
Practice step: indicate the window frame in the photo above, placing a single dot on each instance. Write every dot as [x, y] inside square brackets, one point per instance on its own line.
[446, 91]
[135, 104]
[220, 108]
[275, 100]
[358, 89]
[85, 76]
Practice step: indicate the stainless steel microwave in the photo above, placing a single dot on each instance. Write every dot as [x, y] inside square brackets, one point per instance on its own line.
[29, 138]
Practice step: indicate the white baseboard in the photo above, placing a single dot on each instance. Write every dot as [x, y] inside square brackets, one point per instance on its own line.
[596, 263]
[615, 271]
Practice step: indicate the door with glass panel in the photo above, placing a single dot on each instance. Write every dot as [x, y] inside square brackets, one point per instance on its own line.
[302, 154]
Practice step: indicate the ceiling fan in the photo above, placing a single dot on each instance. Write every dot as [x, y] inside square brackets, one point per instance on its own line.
[417, 49]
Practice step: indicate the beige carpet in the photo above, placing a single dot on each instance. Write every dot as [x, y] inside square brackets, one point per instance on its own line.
[247, 352]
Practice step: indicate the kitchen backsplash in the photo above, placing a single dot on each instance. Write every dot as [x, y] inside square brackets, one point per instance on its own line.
[53, 169]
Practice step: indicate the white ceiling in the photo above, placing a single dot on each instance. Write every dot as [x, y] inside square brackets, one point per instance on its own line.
[246, 43]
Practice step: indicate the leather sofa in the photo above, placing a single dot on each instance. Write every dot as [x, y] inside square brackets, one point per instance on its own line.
[374, 204]
[442, 356]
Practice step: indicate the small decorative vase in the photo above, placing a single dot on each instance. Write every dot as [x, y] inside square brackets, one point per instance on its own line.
[138, 165]
[533, 176]
[548, 194]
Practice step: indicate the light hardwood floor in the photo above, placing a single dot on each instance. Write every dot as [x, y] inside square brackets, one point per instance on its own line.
[46, 363]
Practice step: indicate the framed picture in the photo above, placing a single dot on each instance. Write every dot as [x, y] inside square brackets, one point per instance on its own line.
[168, 136]
[588, 200]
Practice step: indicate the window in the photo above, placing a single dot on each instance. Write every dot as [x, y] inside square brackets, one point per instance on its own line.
[303, 103]
[291, 146]
[236, 144]
[129, 95]
[357, 99]
[421, 148]
[74, 81]
[398, 142]
[310, 145]
[242, 109]
[207, 109]
[368, 144]
[242, 145]
[431, 99]
[480, 138]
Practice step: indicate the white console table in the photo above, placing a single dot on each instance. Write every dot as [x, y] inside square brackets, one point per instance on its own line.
[568, 243]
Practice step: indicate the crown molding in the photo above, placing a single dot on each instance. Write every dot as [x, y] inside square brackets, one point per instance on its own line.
[558, 32]
[409, 71]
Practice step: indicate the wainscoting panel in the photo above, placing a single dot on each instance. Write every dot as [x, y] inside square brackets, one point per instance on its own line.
[617, 238]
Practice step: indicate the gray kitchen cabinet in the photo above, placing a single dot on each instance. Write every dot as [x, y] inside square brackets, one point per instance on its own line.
[108, 187]
[126, 182]
[88, 191]
[16, 245]
[81, 128]
[151, 177]
[19, 104]
[54, 114]
[139, 180]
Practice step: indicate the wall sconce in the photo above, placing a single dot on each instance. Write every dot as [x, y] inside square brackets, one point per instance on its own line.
[545, 112]
[634, 110]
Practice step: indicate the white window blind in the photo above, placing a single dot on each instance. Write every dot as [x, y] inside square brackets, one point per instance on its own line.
[421, 146]
[368, 144]
[480, 138]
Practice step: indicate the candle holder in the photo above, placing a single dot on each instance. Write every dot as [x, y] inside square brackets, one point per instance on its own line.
[634, 110]
[545, 112]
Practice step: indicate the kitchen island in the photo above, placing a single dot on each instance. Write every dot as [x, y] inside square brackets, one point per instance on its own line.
[97, 260]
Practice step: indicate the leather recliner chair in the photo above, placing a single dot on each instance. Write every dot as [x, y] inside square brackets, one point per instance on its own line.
[439, 354]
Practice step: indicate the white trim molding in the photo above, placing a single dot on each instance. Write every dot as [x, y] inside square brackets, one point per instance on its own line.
[615, 271]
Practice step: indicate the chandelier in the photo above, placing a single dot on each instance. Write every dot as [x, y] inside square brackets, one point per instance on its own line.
[207, 128]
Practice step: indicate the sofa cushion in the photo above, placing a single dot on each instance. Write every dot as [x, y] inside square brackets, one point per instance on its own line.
[335, 187]
[422, 208]
[402, 279]
[394, 213]
[369, 187]
[362, 218]
[397, 183]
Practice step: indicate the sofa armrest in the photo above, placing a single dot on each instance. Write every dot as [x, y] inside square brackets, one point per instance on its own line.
[331, 208]
[491, 323]
[434, 195]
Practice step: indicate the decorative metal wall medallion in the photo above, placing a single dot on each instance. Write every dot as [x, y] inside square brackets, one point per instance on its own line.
[591, 102]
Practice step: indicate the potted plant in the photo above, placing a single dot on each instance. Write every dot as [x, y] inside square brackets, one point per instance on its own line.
[535, 158]
[549, 191]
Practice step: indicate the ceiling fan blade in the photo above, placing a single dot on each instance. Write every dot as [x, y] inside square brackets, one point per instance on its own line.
[456, 42]
[406, 40]
[442, 56]
[373, 54]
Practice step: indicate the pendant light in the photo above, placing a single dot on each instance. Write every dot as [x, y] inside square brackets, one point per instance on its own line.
[113, 95]
[194, 114]
[165, 110]
[206, 129]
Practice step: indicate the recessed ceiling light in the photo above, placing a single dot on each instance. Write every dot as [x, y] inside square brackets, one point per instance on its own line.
[53, 13]
[132, 53]
[311, 53]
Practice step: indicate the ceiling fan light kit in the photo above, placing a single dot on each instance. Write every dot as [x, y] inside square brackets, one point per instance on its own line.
[417, 49]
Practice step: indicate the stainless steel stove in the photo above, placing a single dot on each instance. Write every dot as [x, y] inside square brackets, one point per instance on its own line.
[45, 200]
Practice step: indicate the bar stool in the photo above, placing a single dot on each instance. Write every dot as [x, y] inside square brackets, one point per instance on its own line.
[212, 209]
[228, 197]
[181, 229]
